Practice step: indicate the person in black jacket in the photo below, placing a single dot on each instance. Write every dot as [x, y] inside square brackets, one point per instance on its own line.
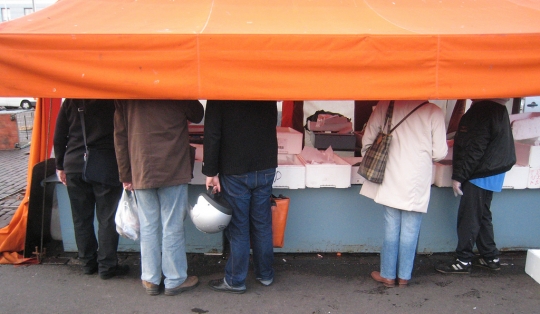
[483, 152]
[240, 145]
[87, 197]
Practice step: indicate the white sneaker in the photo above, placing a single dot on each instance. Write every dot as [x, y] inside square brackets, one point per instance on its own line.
[265, 282]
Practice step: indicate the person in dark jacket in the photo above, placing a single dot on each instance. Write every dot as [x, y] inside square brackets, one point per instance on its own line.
[483, 152]
[85, 197]
[240, 160]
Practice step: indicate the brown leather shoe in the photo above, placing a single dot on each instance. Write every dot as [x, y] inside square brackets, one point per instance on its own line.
[390, 283]
[150, 288]
[402, 283]
[190, 283]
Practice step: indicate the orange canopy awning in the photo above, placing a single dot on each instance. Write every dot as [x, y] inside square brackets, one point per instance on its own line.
[274, 49]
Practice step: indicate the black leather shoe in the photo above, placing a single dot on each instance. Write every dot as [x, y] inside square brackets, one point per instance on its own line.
[120, 270]
[221, 285]
[90, 270]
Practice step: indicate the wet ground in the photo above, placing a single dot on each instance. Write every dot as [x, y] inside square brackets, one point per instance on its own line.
[304, 283]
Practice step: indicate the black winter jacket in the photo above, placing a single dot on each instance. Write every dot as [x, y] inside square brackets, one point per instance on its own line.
[239, 137]
[483, 145]
[68, 136]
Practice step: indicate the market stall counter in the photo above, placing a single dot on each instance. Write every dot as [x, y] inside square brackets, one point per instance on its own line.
[341, 220]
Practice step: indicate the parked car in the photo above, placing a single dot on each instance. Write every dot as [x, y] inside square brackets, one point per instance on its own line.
[17, 102]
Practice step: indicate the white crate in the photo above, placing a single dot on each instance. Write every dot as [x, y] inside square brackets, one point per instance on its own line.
[290, 173]
[443, 173]
[289, 141]
[532, 264]
[198, 177]
[336, 175]
[355, 177]
[516, 178]
[527, 155]
[533, 181]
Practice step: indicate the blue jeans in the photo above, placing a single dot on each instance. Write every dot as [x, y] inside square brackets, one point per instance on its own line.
[163, 247]
[249, 195]
[401, 229]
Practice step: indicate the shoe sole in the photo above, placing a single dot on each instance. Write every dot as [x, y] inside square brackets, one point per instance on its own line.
[178, 291]
[454, 272]
[486, 267]
[152, 292]
[228, 291]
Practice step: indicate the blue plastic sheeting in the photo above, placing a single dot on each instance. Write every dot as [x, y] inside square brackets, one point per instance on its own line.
[341, 220]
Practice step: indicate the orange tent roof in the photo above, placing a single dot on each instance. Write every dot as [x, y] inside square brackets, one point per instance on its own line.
[274, 49]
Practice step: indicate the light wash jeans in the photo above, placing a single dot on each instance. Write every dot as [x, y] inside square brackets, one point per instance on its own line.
[401, 229]
[163, 248]
[249, 195]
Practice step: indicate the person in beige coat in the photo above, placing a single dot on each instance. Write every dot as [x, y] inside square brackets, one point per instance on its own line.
[416, 144]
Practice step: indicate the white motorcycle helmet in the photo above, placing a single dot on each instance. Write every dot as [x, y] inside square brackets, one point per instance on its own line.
[212, 213]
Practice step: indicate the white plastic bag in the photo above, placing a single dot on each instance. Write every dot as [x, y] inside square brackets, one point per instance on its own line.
[127, 218]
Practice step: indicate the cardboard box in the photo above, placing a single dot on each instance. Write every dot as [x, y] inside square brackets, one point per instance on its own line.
[289, 141]
[321, 140]
[354, 162]
[527, 155]
[526, 128]
[443, 173]
[516, 178]
[336, 175]
[533, 181]
[290, 173]
[532, 264]
[330, 125]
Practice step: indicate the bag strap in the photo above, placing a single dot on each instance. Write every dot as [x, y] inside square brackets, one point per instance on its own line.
[425, 102]
[81, 116]
[388, 119]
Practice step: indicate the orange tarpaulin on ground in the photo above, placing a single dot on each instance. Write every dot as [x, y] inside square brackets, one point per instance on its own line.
[274, 49]
[12, 236]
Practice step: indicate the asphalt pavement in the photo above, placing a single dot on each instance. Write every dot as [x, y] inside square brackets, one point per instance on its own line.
[304, 283]
[312, 283]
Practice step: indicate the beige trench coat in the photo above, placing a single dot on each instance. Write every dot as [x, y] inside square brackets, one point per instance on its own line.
[416, 144]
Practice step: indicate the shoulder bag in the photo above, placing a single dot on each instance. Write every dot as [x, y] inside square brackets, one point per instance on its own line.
[373, 164]
[100, 165]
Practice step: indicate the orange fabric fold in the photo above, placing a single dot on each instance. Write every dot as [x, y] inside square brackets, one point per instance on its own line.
[12, 236]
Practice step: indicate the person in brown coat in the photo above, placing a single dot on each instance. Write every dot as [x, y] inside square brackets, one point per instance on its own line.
[152, 147]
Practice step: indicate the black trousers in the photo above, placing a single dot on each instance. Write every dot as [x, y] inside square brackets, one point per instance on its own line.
[87, 198]
[474, 223]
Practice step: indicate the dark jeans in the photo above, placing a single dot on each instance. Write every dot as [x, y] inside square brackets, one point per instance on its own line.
[85, 198]
[474, 224]
[249, 195]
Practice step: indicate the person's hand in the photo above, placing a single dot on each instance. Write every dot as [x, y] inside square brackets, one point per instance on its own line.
[214, 182]
[127, 186]
[61, 176]
[456, 185]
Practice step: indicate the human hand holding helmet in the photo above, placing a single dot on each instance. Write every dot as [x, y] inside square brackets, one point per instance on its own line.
[213, 182]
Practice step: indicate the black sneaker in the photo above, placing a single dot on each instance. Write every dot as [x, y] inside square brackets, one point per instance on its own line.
[119, 270]
[492, 264]
[222, 285]
[456, 267]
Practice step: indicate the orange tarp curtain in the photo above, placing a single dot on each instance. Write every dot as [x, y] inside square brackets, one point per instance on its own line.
[12, 236]
[274, 49]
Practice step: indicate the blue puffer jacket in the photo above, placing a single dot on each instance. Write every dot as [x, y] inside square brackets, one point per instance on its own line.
[483, 145]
